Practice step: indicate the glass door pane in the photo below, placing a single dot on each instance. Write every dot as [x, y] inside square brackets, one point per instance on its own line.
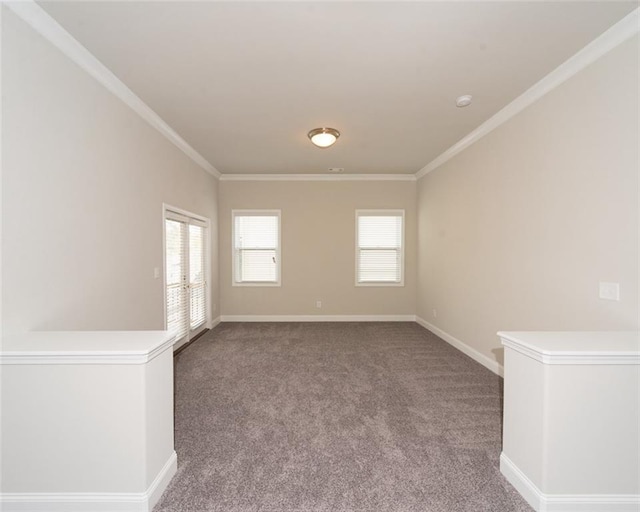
[197, 283]
[176, 275]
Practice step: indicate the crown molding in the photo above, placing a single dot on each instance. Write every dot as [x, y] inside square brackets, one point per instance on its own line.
[30, 12]
[318, 177]
[626, 28]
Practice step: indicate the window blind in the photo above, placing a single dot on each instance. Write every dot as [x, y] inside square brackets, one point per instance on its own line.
[256, 248]
[380, 250]
[197, 283]
[176, 235]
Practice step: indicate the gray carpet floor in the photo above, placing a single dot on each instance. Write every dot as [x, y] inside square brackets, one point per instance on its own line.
[302, 417]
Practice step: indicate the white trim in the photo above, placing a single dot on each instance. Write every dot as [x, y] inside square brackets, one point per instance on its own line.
[185, 213]
[570, 357]
[617, 34]
[92, 502]
[565, 502]
[318, 318]
[520, 481]
[214, 322]
[160, 482]
[164, 264]
[485, 361]
[573, 357]
[1, 160]
[57, 357]
[318, 177]
[49, 28]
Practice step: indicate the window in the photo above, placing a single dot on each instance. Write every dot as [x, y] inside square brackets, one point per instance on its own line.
[256, 247]
[379, 247]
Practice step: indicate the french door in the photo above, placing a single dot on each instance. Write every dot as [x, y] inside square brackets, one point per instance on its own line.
[185, 275]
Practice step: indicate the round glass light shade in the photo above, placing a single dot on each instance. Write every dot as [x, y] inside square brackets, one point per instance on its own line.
[324, 137]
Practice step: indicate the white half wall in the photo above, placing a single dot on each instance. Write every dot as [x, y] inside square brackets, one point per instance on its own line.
[87, 420]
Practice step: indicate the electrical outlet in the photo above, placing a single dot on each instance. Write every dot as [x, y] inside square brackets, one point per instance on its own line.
[156, 273]
[319, 304]
[435, 313]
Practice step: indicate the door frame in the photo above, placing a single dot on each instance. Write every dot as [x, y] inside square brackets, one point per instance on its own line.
[169, 209]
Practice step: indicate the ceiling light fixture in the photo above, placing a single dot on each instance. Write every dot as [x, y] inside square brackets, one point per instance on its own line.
[463, 101]
[323, 137]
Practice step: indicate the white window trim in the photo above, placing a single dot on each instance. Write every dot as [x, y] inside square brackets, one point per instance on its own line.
[172, 212]
[277, 213]
[381, 213]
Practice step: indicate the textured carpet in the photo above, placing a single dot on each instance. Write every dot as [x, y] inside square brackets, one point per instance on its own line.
[284, 417]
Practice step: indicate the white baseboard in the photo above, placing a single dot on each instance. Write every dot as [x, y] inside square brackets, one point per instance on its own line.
[565, 502]
[527, 489]
[214, 322]
[485, 361]
[92, 502]
[160, 482]
[318, 318]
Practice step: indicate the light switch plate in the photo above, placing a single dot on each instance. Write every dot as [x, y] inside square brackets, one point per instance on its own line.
[609, 291]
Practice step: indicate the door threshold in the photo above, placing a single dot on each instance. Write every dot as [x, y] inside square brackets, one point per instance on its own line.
[196, 337]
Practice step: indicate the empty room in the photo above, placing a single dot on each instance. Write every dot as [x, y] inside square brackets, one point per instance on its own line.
[313, 256]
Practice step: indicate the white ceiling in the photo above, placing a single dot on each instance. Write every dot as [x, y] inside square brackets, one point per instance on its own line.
[243, 82]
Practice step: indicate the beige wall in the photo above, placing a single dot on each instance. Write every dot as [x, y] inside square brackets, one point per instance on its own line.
[318, 248]
[83, 183]
[516, 232]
